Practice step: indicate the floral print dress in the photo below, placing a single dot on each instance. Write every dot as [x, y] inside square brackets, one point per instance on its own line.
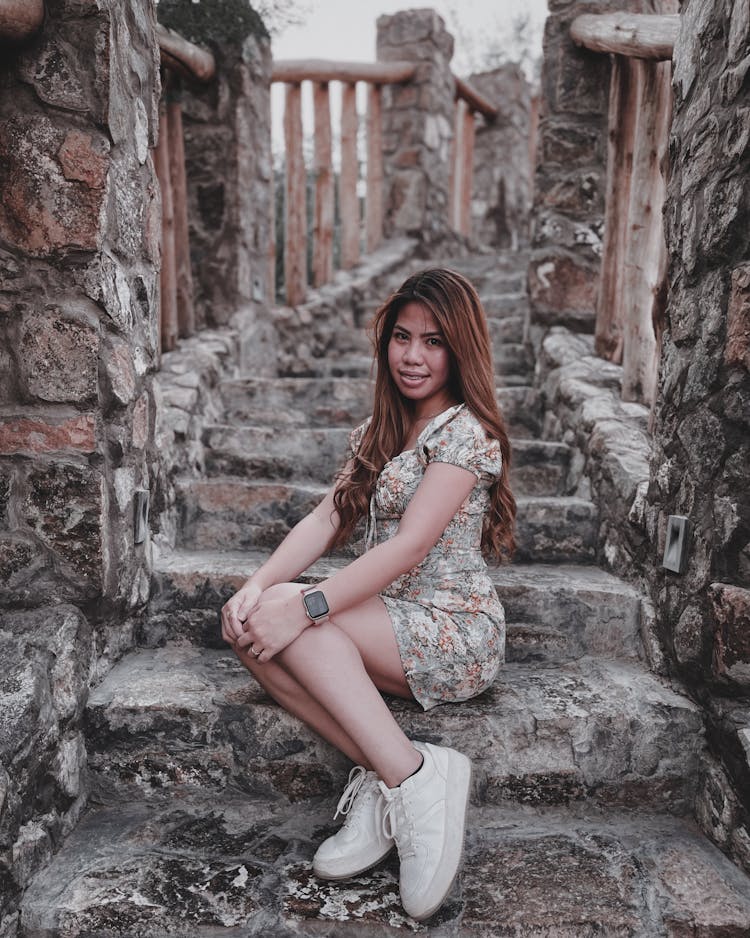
[448, 620]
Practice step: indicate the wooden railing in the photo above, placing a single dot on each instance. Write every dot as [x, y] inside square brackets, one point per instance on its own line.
[321, 73]
[469, 103]
[177, 312]
[20, 19]
[293, 72]
[631, 298]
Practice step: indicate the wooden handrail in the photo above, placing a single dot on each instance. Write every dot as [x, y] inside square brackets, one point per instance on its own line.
[376, 73]
[475, 100]
[640, 35]
[184, 56]
[20, 19]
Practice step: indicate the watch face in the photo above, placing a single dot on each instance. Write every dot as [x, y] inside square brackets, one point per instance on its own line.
[316, 604]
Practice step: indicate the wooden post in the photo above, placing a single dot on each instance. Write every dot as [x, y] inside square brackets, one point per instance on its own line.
[608, 337]
[374, 202]
[168, 277]
[323, 170]
[295, 234]
[467, 171]
[456, 166]
[183, 273]
[271, 262]
[348, 201]
[643, 261]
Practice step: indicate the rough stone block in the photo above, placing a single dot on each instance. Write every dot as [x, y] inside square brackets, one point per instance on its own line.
[42, 212]
[560, 284]
[737, 348]
[63, 504]
[37, 434]
[58, 357]
[731, 608]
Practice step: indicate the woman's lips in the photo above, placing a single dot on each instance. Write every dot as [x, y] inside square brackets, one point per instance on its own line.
[412, 377]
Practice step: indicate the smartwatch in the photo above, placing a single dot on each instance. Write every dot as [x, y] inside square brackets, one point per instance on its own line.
[316, 606]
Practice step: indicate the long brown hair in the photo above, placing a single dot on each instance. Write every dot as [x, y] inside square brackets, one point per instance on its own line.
[454, 303]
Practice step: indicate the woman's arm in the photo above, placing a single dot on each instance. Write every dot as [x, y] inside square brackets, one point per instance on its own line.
[442, 491]
[304, 544]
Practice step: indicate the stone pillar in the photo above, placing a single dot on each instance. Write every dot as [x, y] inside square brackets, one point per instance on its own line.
[227, 127]
[417, 124]
[570, 178]
[79, 249]
[701, 433]
[79, 256]
[501, 199]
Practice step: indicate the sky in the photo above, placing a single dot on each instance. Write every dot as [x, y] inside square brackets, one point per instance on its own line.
[346, 30]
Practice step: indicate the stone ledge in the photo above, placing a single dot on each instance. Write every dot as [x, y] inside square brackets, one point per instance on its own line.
[604, 730]
[241, 867]
[611, 451]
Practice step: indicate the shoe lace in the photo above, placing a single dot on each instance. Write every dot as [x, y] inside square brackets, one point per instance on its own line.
[398, 825]
[348, 798]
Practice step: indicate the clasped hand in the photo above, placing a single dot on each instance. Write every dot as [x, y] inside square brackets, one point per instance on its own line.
[264, 627]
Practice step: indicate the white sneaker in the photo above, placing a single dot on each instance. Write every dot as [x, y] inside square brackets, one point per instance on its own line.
[361, 842]
[426, 816]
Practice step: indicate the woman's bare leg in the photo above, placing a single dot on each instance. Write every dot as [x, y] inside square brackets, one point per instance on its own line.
[338, 677]
[290, 694]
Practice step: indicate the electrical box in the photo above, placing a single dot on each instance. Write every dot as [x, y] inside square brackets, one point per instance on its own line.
[141, 515]
[676, 545]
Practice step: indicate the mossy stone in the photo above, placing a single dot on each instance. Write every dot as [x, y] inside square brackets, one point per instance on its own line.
[212, 22]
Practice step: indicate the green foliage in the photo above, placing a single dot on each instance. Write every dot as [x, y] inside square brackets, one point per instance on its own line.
[212, 22]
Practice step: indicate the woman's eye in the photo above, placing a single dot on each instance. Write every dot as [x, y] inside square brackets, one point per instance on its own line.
[400, 336]
[436, 343]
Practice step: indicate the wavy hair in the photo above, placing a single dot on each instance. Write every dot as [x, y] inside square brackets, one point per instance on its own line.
[454, 303]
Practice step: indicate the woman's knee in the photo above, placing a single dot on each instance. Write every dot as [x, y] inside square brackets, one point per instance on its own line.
[282, 591]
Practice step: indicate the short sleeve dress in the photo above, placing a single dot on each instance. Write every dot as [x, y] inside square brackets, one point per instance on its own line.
[448, 620]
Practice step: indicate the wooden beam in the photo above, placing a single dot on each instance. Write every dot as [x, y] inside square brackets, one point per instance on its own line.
[456, 166]
[183, 272]
[644, 259]
[640, 35]
[323, 171]
[376, 73]
[374, 201]
[348, 201]
[20, 19]
[608, 332]
[467, 172]
[168, 276]
[475, 99]
[295, 226]
[183, 56]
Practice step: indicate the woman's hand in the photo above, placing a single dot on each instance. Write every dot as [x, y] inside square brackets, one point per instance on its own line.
[236, 610]
[272, 625]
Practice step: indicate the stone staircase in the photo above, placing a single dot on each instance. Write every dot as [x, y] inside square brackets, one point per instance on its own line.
[208, 801]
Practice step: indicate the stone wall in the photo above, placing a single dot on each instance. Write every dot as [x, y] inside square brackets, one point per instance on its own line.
[701, 438]
[502, 196]
[79, 257]
[417, 124]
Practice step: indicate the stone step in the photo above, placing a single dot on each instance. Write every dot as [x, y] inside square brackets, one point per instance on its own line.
[229, 514]
[241, 867]
[317, 454]
[326, 402]
[606, 730]
[509, 329]
[553, 612]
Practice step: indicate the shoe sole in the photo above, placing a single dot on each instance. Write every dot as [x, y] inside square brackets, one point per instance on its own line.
[459, 776]
[338, 877]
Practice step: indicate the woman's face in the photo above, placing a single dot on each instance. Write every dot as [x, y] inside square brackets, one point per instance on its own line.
[419, 360]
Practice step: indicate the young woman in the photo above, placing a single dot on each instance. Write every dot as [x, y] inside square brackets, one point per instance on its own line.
[415, 615]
